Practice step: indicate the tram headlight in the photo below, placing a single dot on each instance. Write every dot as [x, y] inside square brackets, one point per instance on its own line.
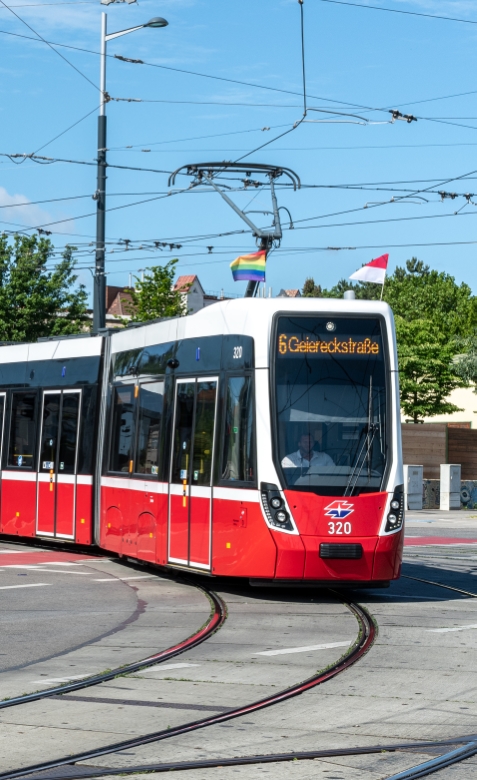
[395, 518]
[274, 507]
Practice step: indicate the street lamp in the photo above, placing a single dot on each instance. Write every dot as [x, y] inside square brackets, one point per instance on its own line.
[99, 292]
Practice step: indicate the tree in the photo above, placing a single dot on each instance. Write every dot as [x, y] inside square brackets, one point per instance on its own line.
[465, 363]
[427, 375]
[34, 300]
[419, 292]
[363, 291]
[311, 290]
[155, 296]
[433, 315]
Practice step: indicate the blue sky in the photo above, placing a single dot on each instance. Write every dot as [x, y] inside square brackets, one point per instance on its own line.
[357, 59]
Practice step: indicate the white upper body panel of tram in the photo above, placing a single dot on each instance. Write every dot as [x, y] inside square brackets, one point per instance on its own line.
[60, 349]
[249, 317]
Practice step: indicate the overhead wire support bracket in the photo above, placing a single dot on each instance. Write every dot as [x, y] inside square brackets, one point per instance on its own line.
[205, 173]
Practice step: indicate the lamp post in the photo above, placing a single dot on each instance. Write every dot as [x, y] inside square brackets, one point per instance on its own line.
[99, 292]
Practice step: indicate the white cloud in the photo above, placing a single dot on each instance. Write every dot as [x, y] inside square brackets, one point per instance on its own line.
[29, 215]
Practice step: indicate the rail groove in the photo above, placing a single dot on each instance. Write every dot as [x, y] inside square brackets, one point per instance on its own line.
[217, 616]
[366, 636]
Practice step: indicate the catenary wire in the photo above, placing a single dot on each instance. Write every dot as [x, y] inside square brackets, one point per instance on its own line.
[232, 81]
[63, 132]
[397, 11]
[51, 46]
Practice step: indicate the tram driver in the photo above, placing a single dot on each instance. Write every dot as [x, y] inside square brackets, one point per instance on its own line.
[306, 455]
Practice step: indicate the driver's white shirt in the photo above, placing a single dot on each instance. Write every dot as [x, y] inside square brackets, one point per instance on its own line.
[296, 460]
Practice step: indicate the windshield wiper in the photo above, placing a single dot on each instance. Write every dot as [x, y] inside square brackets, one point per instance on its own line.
[371, 433]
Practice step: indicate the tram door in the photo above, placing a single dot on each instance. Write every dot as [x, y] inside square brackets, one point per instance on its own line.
[190, 490]
[56, 487]
[2, 422]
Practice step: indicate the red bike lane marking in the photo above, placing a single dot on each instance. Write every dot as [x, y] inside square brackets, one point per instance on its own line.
[450, 541]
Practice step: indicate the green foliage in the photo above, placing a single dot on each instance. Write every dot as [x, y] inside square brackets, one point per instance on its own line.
[433, 314]
[311, 290]
[155, 296]
[427, 375]
[465, 363]
[36, 301]
[435, 318]
[418, 292]
[366, 291]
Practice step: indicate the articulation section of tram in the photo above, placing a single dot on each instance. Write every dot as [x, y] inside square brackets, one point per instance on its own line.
[256, 438]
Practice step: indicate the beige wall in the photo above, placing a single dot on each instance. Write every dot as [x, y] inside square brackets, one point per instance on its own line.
[466, 400]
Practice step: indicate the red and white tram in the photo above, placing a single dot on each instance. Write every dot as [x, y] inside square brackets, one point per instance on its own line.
[258, 438]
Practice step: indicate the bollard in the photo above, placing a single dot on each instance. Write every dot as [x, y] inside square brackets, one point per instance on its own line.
[450, 486]
[413, 487]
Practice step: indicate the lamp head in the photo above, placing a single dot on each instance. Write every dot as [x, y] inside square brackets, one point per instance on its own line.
[157, 21]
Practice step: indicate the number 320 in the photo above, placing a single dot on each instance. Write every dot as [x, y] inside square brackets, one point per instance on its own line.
[339, 528]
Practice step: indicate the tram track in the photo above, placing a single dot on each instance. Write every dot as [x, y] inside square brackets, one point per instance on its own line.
[216, 619]
[365, 638]
[462, 747]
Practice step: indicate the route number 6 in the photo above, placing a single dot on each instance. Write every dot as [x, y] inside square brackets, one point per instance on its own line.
[339, 528]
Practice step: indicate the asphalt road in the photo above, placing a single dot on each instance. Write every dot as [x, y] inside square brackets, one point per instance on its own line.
[417, 683]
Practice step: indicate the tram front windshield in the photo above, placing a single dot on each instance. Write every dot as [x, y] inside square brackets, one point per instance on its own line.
[330, 383]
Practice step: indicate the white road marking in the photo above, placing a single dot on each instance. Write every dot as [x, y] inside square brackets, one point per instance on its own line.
[163, 667]
[40, 566]
[121, 579]
[59, 563]
[54, 571]
[18, 552]
[457, 628]
[33, 585]
[419, 598]
[305, 649]
[62, 679]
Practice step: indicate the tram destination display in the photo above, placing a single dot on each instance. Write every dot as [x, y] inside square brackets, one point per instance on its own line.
[294, 345]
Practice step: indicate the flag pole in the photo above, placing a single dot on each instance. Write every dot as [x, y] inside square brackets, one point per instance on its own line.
[382, 288]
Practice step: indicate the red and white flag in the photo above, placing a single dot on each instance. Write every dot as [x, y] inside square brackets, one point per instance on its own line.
[375, 271]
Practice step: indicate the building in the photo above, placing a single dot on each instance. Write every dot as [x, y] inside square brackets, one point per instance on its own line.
[466, 400]
[193, 294]
[289, 294]
[118, 302]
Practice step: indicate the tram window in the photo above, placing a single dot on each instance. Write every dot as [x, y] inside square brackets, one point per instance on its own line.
[69, 433]
[331, 404]
[237, 454]
[149, 424]
[184, 418]
[22, 430]
[204, 433]
[122, 430]
[49, 431]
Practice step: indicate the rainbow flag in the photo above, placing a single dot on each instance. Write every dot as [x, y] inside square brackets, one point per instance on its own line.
[249, 267]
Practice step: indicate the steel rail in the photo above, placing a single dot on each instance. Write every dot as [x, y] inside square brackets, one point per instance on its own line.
[441, 585]
[365, 639]
[435, 764]
[216, 618]
[270, 758]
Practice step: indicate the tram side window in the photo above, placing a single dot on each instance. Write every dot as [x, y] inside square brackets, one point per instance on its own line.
[151, 397]
[238, 446]
[122, 429]
[22, 430]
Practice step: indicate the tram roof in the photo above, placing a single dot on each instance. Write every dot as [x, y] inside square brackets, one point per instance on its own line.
[60, 349]
[242, 316]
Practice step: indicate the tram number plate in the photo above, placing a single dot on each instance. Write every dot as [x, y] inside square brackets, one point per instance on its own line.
[339, 529]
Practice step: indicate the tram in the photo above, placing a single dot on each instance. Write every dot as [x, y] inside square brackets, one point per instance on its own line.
[257, 438]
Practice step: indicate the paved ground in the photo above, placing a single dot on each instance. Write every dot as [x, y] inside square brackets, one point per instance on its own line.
[416, 684]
